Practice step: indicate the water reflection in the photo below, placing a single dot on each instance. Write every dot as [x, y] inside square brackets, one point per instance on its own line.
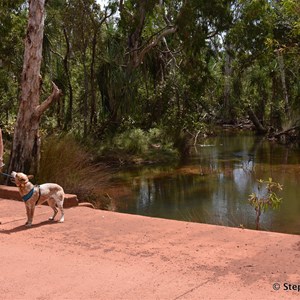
[214, 185]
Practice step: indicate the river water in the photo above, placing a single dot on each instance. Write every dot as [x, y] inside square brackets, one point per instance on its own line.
[214, 184]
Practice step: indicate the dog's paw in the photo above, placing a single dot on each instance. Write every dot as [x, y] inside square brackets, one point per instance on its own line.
[51, 219]
[28, 225]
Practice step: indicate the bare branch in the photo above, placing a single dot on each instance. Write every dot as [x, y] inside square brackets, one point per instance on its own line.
[212, 34]
[56, 92]
[170, 52]
[56, 53]
[147, 42]
[287, 130]
[155, 41]
[168, 30]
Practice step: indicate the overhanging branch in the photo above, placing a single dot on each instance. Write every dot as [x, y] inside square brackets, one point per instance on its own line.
[153, 42]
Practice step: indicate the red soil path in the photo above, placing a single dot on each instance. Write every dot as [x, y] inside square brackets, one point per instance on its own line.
[104, 255]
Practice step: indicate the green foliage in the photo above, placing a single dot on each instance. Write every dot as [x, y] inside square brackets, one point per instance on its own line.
[134, 143]
[292, 9]
[270, 200]
[179, 84]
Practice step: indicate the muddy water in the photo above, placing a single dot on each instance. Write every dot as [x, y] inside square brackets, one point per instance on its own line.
[214, 184]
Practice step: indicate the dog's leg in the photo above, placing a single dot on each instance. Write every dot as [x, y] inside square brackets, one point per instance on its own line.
[55, 211]
[30, 214]
[60, 203]
[51, 203]
[62, 218]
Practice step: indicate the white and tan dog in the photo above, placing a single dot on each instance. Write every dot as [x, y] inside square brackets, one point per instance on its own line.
[33, 195]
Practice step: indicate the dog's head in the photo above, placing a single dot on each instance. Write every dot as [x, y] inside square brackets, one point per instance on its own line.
[20, 179]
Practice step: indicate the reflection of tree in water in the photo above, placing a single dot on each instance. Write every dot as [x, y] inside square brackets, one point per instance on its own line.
[219, 195]
[170, 194]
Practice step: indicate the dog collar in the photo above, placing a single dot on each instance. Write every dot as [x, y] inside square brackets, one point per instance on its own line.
[28, 196]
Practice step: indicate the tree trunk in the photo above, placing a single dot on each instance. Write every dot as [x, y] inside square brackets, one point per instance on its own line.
[227, 86]
[258, 125]
[275, 116]
[257, 223]
[93, 114]
[85, 97]
[283, 82]
[69, 114]
[134, 38]
[26, 142]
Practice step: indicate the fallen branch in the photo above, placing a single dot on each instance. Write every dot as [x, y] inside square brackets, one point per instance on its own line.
[286, 130]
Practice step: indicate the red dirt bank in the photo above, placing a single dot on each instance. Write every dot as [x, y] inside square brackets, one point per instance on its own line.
[104, 255]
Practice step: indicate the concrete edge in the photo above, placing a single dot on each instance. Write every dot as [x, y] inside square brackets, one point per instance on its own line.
[11, 192]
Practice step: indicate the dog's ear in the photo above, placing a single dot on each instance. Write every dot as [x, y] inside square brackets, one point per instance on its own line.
[30, 176]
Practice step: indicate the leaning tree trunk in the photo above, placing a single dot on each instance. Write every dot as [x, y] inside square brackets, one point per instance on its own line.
[26, 142]
[258, 125]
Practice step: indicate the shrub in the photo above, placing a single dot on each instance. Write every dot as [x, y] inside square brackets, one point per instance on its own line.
[133, 141]
[154, 144]
[268, 198]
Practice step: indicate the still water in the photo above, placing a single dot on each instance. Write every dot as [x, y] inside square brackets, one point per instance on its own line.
[214, 184]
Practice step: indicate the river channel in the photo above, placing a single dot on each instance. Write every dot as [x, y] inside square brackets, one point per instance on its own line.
[214, 184]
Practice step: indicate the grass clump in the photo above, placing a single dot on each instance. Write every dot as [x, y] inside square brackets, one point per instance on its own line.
[66, 162]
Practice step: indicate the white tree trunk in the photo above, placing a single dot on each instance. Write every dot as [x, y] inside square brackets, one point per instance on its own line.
[26, 143]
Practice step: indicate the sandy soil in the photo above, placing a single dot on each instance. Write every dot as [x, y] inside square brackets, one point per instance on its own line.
[104, 255]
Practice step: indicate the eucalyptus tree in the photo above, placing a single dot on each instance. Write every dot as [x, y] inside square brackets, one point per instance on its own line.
[285, 45]
[263, 41]
[75, 44]
[167, 49]
[247, 37]
[26, 142]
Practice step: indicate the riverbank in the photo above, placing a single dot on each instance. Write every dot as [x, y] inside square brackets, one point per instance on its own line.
[104, 255]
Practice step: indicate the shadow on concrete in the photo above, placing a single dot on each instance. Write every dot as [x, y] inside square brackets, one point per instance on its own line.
[23, 227]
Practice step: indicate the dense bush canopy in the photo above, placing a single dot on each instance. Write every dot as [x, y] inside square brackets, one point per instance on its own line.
[175, 65]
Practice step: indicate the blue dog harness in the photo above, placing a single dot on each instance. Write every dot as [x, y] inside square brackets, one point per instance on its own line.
[29, 195]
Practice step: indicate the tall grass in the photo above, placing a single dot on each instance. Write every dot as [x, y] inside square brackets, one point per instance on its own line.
[66, 162]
